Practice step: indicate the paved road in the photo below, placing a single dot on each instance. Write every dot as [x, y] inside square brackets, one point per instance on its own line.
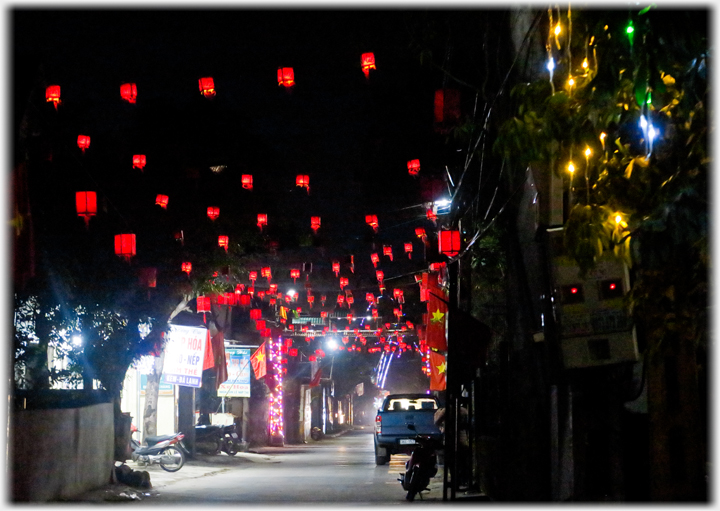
[334, 470]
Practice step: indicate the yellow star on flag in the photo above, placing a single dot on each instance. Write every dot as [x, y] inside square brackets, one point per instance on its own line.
[441, 368]
[260, 356]
[438, 316]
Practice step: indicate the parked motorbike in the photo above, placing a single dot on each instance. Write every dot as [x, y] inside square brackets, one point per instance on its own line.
[421, 467]
[213, 440]
[167, 450]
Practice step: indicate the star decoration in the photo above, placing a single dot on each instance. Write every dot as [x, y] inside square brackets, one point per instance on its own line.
[260, 357]
[441, 368]
[438, 316]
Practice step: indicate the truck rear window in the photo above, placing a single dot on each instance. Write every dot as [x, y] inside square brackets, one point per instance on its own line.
[411, 404]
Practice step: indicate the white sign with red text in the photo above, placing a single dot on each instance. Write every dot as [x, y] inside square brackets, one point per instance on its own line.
[184, 355]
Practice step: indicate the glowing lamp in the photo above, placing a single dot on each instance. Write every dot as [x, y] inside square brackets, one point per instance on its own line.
[86, 205]
[336, 267]
[187, 267]
[213, 213]
[341, 300]
[207, 87]
[83, 142]
[315, 223]
[52, 95]
[128, 92]
[162, 201]
[303, 181]
[409, 249]
[139, 161]
[266, 273]
[420, 232]
[273, 289]
[252, 276]
[294, 274]
[203, 304]
[367, 62]
[247, 181]
[372, 221]
[343, 282]
[375, 259]
[387, 251]
[413, 167]
[223, 242]
[286, 76]
[251, 290]
[125, 246]
[379, 275]
[261, 220]
[449, 243]
[370, 297]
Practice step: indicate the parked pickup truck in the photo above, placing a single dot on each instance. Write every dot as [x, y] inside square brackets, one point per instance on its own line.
[392, 435]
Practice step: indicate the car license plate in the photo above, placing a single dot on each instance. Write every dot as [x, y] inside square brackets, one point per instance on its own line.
[407, 441]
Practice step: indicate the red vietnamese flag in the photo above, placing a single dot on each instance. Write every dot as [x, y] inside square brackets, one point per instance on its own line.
[437, 313]
[315, 373]
[259, 362]
[438, 370]
[209, 359]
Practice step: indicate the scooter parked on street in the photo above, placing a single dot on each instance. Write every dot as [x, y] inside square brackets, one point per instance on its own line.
[167, 450]
[210, 439]
[421, 467]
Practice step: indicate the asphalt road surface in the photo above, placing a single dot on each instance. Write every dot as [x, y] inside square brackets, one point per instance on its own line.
[335, 470]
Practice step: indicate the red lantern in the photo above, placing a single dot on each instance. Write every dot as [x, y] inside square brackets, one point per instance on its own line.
[420, 233]
[336, 268]
[260, 324]
[343, 282]
[203, 304]
[244, 300]
[128, 92]
[273, 289]
[187, 267]
[252, 276]
[125, 246]
[370, 297]
[52, 95]
[213, 213]
[387, 251]
[341, 300]
[293, 352]
[139, 161]
[239, 289]
[266, 273]
[374, 313]
[286, 76]
[303, 182]
[223, 242]
[294, 274]
[207, 87]
[372, 221]
[413, 167]
[83, 142]
[312, 358]
[367, 62]
[315, 223]
[431, 215]
[409, 249]
[375, 259]
[350, 300]
[86, 205]
[380, 275]
[261, 220]
[447, 108]
[247, 181]
[162, 201]
[273, 301]
[449, 243]
[323, 314]
[437, 266]
[261, 294]
[255, 314]
[311, 300]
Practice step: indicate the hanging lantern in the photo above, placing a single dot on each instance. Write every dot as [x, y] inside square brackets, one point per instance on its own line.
[315, 223]
[367, 62]
[293, 352]
[207, 87]
[370, 297]
[252, 276]
[239, 289]
[286, 76]
[323, 298]
[83, 142]
[247, 181]
[311, 300]
[139, 161]
[162, 201]
[352, 263]
[187, 267]
[213, 213]
[420, 233]
[409, 249]
[374, 313]
[128, 92]
[261, 220]
[125, 246]
[261, 294]
[260, 325]
[52, 95]
[340, 300]
[449, 243]
[244, 300]
[380, 276]
[336, 268]
[223, 242]
[266, 273]
[399, 295]
[350, 300]
[437, 266]
[372, 221]
[303, 182]
[375, 259]
[203, 304]
[413, 167]
[273, 289]
[387, 251]
[255, 314]
[431, 215]
[343, 282]
[86, 205]
[273, 301]
[323, 314]
[294, 274]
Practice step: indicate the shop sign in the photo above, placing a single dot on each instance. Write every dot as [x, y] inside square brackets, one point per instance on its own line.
[184, 354]
[238, 369]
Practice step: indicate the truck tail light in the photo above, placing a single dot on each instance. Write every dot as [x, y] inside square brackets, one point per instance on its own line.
[378, 424]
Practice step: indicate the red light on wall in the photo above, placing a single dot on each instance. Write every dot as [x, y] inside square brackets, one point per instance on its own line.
[261, 220]
[409, 249]
[413, 167]
[52, 95]
[213, 212]
[295, 274]
[574, 290]
[207, 87]
[125, 246]
[387, 251]
[162, 201]
[449, 243]
[203, 304]
[367, 62]
[612, 286]
[315, 223]
[83, 142]
[286, 76]
[86, 205]
[187, 267]
[139, 161]
[247, 181]
[372, 221]
[223, 242]
[128, 92]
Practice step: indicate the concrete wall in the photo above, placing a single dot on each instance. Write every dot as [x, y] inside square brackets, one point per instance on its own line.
[60, 453]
